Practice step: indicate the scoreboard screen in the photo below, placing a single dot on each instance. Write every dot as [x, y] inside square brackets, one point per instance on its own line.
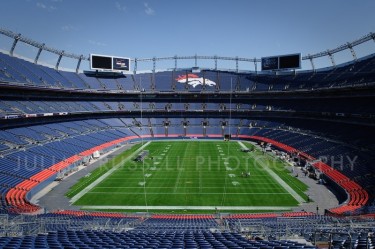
[292, 61]
[101, 62]
[121, 64]
[270, 63]
[111, 63]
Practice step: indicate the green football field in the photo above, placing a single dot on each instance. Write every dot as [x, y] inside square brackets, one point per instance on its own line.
[191, 175]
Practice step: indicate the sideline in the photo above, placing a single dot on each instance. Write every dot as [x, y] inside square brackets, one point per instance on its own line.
[291, 191]
[105, 175]
[40, 194]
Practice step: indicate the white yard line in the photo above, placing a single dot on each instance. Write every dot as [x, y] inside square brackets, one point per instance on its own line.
[105, 175]
[189, 207]
[291, 191]
[184, 193]
[179, 173]
[177, 181]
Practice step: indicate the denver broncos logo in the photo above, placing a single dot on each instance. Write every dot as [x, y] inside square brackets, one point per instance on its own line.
[194, 80]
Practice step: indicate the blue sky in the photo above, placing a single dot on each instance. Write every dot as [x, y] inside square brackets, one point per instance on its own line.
[161, 28]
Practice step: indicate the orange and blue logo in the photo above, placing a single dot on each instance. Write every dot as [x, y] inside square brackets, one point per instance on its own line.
[194, 80]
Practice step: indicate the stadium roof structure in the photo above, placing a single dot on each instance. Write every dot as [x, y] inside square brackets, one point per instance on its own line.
[17, 37]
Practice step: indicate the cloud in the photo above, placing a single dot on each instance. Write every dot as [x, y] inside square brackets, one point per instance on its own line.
[96, 43]
[148, 9]
[68, 28]
[41, 5]
[120, 7]
[45, 7]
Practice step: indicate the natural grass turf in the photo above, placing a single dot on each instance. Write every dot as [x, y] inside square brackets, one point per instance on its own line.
[192, 173]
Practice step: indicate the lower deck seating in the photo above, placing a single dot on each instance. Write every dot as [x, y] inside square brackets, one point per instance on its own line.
[179, 223]
[161, 239]
[65, 144]
[81, 229]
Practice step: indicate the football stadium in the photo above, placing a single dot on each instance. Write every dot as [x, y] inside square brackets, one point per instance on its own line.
[121, 152]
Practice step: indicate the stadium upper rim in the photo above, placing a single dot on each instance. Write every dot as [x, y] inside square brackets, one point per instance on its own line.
[329, 53]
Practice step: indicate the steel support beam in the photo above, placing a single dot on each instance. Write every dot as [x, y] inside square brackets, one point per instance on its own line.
[237, 64]
[352, 51]
[135, 65]
[59, 60]
[79, 63]
[312, 62]
[16, 39]
[38, 54]
[331, 57]
[154, 64]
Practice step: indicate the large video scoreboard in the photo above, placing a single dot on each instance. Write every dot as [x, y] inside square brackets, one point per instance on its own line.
[282, 62]
[109, 63]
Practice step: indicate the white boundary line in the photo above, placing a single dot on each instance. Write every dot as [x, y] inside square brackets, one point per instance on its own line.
[101, 178]
[291, 191]
[190, 207]
[169, 193]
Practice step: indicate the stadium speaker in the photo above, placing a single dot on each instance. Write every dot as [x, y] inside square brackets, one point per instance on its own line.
[195, 70]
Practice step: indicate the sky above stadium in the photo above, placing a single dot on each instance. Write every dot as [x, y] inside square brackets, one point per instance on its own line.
[163, 28]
